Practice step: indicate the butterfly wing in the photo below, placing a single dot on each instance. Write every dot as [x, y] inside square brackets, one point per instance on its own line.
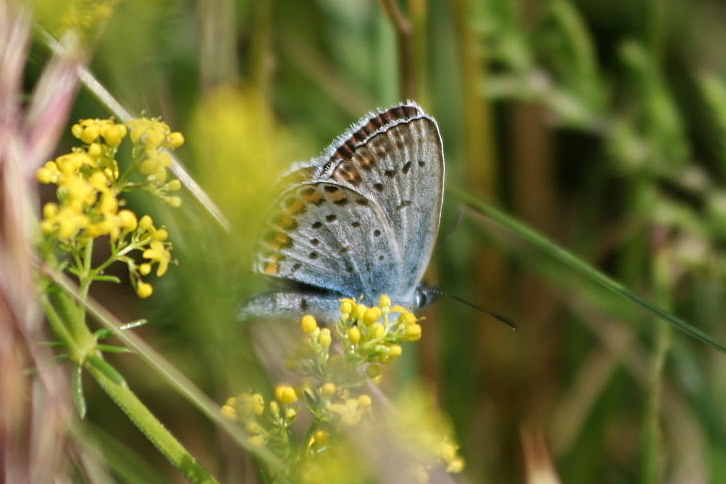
[366, 221]
[330, 236]
[396, 158]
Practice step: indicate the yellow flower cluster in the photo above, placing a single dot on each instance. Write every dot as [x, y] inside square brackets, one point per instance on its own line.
[247, 408]
[374, 329]
[89, 185]
[349, 410]
[155, 137]
[88, 188]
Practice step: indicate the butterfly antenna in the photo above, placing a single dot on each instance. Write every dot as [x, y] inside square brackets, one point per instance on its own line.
[450, 232]
[494, 315]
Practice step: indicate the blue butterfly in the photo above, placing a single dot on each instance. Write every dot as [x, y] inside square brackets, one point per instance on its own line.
[359, 220]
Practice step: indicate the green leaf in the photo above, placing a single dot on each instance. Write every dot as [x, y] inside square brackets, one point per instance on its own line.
[104, 367]
[53, 344]
[79, 400]
[102, 333]
[106, 278]
[577, 264]
[114, 349]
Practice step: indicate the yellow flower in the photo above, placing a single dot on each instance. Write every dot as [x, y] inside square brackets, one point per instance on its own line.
[127, 220]
[328, 389]
[69, 222]
[229, 411]
[160, 234]
[146, 223]
[308, 324]
[175, 140]
[407, 317]
[371, 315]
[325, 339]
[349, 412]
[252, 404]
[354, 334]
[257, 440]
[377, 330]
[365, 401]
[144, 290]
[285, 394]
[346, 306]
[157, 252]
[395, 350]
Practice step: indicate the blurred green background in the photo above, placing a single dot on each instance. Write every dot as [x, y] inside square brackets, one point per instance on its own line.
[601, 124]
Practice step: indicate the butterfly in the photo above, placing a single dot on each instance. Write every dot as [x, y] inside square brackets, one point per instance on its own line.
[360, 220]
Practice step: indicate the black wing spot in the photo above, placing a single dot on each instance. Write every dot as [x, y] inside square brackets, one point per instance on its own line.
[331, 188]
[421, 163]
[315, 242]
[355, 224]
[381, 257]
[296, 267]
[389, 173]
[317, 225]
[331, 218]
[378, 186]
[406, 168]
[376, 233]
[304, 304]
[361, 201]
[349, 268]
[403, 204]
[341, 202]
[313, 255]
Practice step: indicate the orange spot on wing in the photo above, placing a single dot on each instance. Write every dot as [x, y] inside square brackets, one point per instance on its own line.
[271, 268]
[337, 196]
[313, 197]
[296, 207]
[278, 241]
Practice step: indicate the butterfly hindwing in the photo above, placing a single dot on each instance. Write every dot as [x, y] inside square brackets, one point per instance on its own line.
[329, 236]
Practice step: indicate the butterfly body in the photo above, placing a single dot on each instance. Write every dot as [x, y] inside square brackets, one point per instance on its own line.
[360, 220]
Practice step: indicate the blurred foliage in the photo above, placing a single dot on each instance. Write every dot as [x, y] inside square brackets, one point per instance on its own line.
[602, 124]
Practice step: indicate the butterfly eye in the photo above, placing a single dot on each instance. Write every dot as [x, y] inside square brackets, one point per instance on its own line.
[421, 299]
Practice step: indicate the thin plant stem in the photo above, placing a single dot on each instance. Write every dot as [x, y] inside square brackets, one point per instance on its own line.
[152, 428]
[404, 35]
[567, 258]
[653, 452]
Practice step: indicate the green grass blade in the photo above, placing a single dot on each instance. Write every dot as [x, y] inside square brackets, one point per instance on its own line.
[572, 261]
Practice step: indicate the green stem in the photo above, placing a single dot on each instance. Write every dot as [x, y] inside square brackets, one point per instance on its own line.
[56, 323]
[653, 453]
[166, 371]
[152, 428]
[575, 263]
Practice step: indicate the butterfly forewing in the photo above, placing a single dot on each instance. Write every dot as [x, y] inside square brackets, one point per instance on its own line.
[402, 168]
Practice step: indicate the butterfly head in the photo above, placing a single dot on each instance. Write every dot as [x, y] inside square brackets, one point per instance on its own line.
[424, 296]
